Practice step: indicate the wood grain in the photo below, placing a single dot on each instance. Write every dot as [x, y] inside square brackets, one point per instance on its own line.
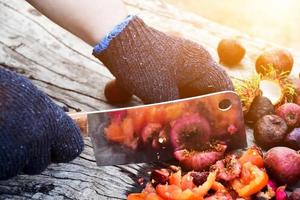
[62, 66]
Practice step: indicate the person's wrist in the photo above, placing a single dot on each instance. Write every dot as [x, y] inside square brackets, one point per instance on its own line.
[104, 42]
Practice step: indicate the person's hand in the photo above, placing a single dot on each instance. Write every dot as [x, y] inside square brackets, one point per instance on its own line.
[157, 67]
[33, 130]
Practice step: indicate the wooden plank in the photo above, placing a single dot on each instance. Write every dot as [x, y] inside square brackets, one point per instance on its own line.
[79, 179]
[62, 66]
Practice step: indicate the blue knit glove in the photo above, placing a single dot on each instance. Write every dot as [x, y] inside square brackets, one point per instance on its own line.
[157, 67]
[33, 130]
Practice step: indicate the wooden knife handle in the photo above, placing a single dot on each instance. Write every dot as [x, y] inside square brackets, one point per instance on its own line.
[80, 119]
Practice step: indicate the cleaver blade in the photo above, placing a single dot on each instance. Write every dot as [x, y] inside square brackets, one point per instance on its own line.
[122, 136]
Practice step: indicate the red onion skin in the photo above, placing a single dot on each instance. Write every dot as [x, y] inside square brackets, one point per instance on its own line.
[292, 139]
[295, 194]
[199, 160]
[228, 168]
[188, 121]
[280, 193]
[283, 164]
[290, 112]
[272, 184]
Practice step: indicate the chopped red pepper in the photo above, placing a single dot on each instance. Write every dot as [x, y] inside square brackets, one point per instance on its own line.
[252, 180]
[175, 178]
[254, 156]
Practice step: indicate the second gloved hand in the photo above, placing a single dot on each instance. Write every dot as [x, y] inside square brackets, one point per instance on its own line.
[157, 67]
[34, 131]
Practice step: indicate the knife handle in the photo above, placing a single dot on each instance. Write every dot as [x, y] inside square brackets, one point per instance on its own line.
[80, 119]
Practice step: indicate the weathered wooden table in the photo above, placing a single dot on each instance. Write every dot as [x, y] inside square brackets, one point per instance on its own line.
[62, 66]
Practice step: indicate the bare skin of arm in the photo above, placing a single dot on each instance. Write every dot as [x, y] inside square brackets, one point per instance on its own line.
[90, 20]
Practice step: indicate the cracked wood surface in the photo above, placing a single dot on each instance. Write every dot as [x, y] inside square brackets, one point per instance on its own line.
[62, 66]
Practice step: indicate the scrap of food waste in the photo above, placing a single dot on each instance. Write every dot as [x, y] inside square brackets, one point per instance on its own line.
[183, 127]
[116, 94]
[281, 59]
[277, 86]
[274, 127]
[283, 164]
[270, 101]
[296, 85]
[243, 177]
[260, 107]
[230, 52]
[272, 80]
[270, 131]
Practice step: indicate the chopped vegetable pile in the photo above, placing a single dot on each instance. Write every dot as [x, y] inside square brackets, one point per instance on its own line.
[231, 178]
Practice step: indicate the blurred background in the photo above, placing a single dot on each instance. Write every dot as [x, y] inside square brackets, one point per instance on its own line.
[276, 21]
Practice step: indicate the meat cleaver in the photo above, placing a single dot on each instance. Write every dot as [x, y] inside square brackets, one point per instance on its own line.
[147, 133]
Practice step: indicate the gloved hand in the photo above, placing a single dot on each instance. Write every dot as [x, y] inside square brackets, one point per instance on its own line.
[157, 67]
[33, 130]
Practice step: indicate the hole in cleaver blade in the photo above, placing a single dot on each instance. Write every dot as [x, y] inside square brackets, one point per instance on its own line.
[143, 133]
